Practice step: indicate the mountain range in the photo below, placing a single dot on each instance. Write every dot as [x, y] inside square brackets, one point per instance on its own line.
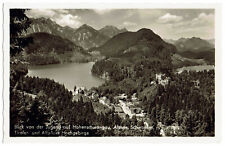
[51, 27]
[84, 36]
[195, 48]
[113, 42]
[192, 44]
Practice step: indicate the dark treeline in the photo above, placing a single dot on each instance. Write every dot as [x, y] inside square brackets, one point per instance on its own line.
[52, 105]
[185, 102]
[116, 70]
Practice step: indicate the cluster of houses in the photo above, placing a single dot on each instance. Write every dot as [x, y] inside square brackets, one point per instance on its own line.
[128, 107]
[124, 106]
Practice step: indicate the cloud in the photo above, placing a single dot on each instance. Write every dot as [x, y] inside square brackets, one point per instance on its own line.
[170, 23]
[169, 18]
[203, 19]
[202, 25]
[127, 24]
[60, 16]
[68, 20]
[36, 13]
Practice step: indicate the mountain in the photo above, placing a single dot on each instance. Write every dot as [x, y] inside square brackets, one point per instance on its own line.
[171, 41]
[51, 27]
[51, 49]
[134, 55]
[192, 44]
[196, 48]
[211, 41]
[88, 37]
[111, 31]
[85, 36]
[144, 42]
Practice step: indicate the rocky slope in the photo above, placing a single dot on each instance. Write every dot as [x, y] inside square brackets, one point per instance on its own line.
[88, 37]
[85, 36]
[51, 27]
[111, 31]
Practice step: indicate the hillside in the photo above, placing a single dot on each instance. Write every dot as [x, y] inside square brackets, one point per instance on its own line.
[211, 41]
[88, 37]
[134, 54]
[180, 61]
[85, 36]
[192, 44]
[51, 27]
[196, 48]
[132, 44]
[111, 31]
[49, 49]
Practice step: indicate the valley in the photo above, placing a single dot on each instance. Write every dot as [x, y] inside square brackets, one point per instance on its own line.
[123, 83]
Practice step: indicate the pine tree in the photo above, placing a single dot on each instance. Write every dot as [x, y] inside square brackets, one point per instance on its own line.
[19, 22]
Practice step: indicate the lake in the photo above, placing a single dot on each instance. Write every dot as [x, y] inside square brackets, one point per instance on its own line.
[196, 68]
[70, 74]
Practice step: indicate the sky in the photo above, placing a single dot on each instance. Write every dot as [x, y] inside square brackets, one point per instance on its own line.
[168, 23]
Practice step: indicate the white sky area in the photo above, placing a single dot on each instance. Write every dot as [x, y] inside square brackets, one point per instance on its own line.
[168, 23]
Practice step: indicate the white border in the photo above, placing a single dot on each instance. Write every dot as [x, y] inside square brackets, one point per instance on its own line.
[158, 4]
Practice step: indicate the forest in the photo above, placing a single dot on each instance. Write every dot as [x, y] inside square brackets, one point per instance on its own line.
[187, 100]
[52, 105]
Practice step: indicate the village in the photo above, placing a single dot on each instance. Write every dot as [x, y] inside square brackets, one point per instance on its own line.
[124, 106]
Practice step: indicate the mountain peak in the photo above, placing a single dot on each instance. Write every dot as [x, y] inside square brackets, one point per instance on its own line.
[85, 26]
[43, 19]
[196, 38]
[148, 34]
[144, 30]
[110, 26]
[110, 30]
[143, 42]
[124, 29]
[192, 44]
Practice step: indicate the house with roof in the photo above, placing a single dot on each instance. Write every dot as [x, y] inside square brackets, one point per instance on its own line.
[162, 79]
[118, 109]
[104, 100]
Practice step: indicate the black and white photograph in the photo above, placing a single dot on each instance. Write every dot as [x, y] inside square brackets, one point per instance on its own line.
[112, 72]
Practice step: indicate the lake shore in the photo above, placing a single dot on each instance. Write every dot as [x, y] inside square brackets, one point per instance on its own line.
[69, 74]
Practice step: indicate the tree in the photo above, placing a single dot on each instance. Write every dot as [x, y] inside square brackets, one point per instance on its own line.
[179, 115]
[36, 115]
[162, 115]
[75, 88]
[19, 22]
[134, 120]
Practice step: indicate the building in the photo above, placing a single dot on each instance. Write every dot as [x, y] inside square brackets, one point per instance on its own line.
[162, 79]
[135, 110]
[118, 109]
[196, 83]
[104, 101]
[122, 115]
